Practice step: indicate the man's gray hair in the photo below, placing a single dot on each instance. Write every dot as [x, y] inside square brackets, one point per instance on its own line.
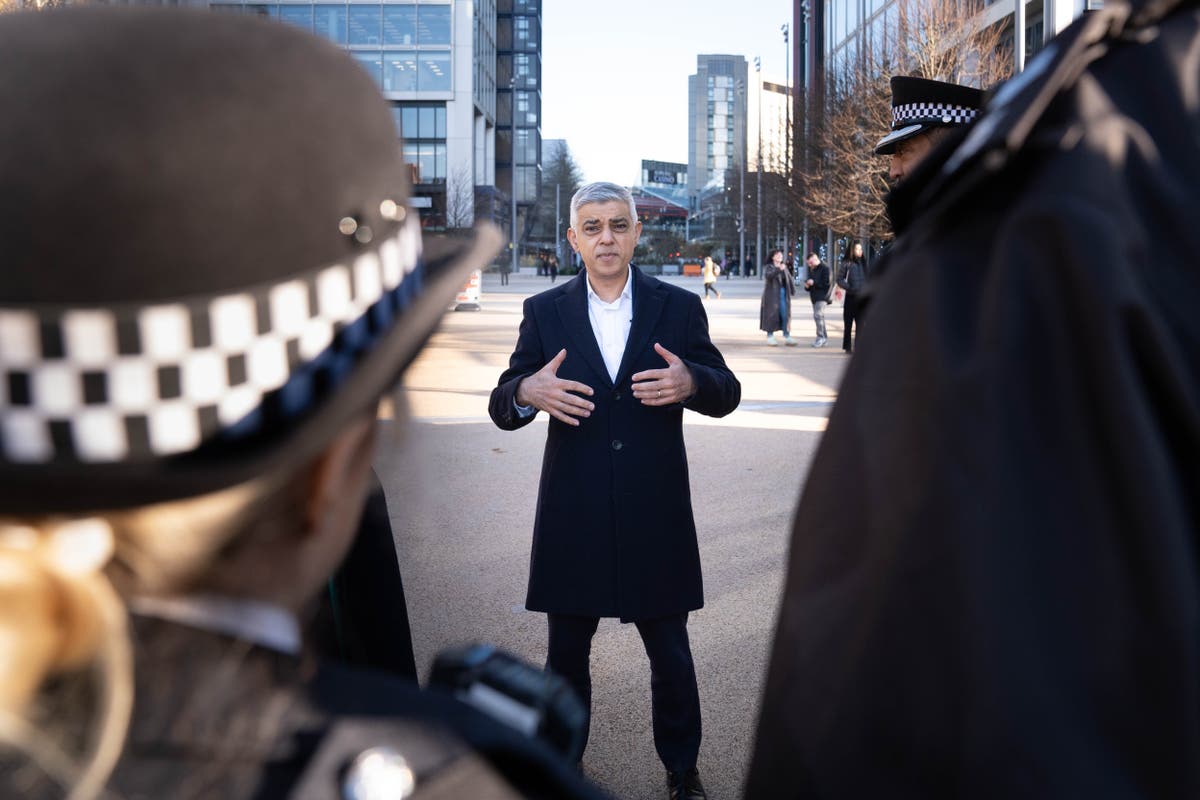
[601, 192]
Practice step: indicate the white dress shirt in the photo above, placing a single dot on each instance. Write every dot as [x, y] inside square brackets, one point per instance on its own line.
[610, 326]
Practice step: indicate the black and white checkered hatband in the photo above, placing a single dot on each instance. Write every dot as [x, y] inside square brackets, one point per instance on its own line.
[931, 113]
[137, 383]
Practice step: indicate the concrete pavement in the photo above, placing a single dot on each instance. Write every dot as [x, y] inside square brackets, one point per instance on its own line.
[461, 495]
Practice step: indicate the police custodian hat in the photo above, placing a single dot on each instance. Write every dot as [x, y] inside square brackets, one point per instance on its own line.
[208, 262]
[919, 104]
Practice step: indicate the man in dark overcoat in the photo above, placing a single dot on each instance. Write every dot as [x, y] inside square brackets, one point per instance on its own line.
[614, 357]
[1009, 606]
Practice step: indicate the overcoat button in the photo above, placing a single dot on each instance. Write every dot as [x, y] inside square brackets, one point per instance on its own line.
[617, 444]
[616, 395]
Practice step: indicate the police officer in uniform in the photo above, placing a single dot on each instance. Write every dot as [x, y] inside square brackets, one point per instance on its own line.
[924, 112]
[210, 278]
[1009, 607]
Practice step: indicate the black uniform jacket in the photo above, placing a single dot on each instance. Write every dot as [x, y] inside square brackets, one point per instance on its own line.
[216, 717]
[614, 534]
[993, 588]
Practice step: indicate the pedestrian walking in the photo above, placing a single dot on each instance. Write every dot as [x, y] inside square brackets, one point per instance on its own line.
[852, 278]
[775, 308]
[709, 274]
[190, 419]
[819, 285]
[992, 583]
[615, 357]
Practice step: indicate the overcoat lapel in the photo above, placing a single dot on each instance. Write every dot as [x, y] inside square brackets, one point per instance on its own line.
[648, 303]
[573, 311]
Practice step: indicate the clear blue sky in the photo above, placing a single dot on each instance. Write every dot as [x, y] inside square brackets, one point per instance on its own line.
[614, 74]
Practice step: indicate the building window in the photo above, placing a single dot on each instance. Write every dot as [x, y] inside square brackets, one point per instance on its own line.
[427, 160]
[400, 71]
[381, 38]
[423, 126]
[433, 25]
[330, 21]
[527, 150]
[301, 16]
[527, 184]
[434, 75]
[400, 25]
[372, 62]
[366, 25]
[421, 120]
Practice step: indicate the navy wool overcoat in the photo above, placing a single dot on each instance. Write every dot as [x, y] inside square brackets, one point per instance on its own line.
[614, 534]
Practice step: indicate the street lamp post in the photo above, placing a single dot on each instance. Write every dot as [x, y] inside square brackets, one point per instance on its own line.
[758, 239]
[512, 171]
[742, 184]
[787, 144]
[557, 224]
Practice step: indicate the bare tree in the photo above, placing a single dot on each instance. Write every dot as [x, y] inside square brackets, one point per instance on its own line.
[558, 170]
[845, 183]
[460, 197]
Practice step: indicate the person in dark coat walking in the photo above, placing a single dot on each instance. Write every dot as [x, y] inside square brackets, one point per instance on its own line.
[852, 278]
[819, 284]
[775, 308]
[1007, 605]
[193, 367]
[615, 356]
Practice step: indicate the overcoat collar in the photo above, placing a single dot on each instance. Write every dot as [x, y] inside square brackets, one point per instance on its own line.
[572, 308]
[649, 298]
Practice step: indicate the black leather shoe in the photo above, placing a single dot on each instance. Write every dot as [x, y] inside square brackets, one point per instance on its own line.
[685, 786]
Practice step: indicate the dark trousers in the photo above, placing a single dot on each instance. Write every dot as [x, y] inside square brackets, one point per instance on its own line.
[849, 314]
[675, 699]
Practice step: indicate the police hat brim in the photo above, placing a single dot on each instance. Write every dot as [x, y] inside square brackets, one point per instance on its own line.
[31, 489]
[887, 145]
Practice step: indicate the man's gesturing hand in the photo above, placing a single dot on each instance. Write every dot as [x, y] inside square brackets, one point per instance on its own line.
[546, 391]
[662, 387]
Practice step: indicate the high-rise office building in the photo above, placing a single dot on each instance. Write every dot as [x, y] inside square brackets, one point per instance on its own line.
[435, 63]
[767, 117]
[716, 120]
[519, 104]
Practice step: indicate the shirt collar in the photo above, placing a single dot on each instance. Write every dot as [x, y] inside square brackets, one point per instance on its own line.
[264, 624]
[626, 293]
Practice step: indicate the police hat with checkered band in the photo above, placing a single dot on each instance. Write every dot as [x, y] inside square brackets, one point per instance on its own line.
[208, 265]
[919, 104]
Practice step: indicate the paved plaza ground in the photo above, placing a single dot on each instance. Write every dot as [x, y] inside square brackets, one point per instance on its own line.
[461, 496]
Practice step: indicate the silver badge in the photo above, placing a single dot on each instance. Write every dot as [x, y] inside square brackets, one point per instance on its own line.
[379, 774]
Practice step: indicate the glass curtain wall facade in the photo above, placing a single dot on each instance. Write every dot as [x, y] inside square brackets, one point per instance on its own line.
[406, 48]
[847, 23]
[519, 105]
